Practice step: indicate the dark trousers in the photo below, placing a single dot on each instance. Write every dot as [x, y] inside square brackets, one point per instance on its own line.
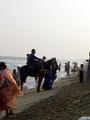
[81, 76]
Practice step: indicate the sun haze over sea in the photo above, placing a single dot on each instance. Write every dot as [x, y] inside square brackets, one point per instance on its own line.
[55, 28]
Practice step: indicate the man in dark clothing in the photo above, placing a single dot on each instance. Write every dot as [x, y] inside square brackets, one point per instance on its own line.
[33, 61]
[81, 73]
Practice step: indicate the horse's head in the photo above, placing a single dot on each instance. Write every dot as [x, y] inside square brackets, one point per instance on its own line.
[54, 64]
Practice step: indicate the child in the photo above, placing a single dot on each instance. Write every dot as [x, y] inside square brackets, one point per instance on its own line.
[81, 73]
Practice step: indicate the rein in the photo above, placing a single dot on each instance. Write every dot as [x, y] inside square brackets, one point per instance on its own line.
[53, 63]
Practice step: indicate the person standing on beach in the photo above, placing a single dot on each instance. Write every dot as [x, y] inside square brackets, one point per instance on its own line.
[81, 73]
[88, 68]
[43, 60]
[59, 67]
[16, 75]
[67, 68]
[12, 90]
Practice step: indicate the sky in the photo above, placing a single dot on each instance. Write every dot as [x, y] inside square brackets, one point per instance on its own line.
[55, 28]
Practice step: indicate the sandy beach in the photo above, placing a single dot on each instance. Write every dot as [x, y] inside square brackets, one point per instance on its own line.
[68, 100]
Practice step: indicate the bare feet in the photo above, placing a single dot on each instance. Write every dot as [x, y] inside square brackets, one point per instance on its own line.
[11, 112]
[6, 116]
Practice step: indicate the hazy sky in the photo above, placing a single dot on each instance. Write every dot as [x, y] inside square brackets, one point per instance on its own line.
[55, 28]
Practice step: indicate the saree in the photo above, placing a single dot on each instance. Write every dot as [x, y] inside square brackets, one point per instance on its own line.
[47, 81]
[12, 90]
[3, 90]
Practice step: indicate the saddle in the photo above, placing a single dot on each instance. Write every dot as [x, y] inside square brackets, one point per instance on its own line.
[39, 69]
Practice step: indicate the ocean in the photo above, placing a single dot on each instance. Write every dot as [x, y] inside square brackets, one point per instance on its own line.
[13, 62]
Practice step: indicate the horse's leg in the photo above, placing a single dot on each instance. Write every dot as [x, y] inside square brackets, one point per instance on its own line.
[51, 82]
[21, 85]
[36, 80]
[39, 83]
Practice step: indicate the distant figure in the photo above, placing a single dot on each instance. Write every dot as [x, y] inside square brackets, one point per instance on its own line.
[88, 68]
[33, 61]
[75, 67]
[18, 76]
[65, 67]
[81, 73]
[59, 67]
[68, 68]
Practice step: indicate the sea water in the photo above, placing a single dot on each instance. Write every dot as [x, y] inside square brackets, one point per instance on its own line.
[84, 118]
[13, 62]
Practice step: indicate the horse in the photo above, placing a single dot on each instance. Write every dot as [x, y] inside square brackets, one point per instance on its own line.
[25, 72]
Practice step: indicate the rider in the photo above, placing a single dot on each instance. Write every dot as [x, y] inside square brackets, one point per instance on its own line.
[28, 58]
[34, 61]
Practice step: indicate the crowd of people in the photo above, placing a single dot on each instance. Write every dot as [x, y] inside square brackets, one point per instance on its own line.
[9, 81]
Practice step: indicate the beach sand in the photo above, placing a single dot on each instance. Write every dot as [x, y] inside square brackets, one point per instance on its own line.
[68, 100]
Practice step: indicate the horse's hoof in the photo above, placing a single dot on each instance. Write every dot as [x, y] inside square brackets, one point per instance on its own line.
[38, 90]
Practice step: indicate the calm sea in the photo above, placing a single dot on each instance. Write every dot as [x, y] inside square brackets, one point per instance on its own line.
[13, 62]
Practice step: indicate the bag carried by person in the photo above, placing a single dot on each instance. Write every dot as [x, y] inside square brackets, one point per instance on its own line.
[5, 84]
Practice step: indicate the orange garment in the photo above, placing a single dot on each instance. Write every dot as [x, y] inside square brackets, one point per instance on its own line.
[12, 90]
[3, 98]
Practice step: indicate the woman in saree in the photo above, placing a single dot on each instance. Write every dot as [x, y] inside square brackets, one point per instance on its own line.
[10, 89]
[3, 99]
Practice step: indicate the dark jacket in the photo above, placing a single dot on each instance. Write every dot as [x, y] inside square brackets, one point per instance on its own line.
[33, 58]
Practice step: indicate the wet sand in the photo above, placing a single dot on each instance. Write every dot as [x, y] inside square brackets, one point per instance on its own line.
[68, 100]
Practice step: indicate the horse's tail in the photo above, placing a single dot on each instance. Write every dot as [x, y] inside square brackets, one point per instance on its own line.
[23, 75]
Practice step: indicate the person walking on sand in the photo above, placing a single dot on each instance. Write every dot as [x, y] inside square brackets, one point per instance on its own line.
[12, 90]
[67, 67]
[81, 73]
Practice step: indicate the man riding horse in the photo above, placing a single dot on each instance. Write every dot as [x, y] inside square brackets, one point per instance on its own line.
[34, 62]
[37, 67]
